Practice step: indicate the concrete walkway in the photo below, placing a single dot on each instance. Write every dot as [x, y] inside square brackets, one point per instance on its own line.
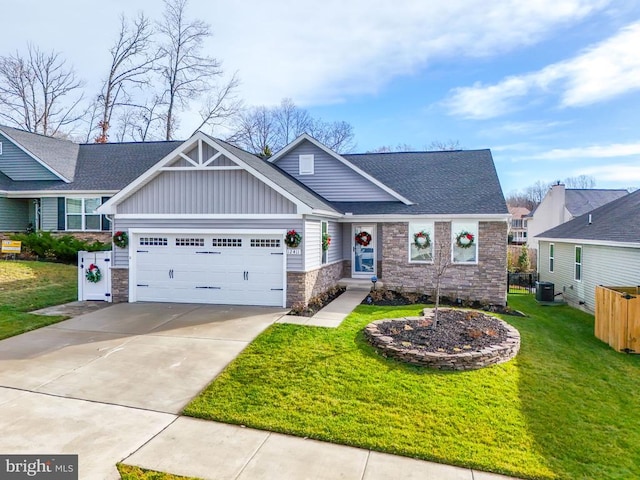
[109, 386]
[332, 315]
[217, 451]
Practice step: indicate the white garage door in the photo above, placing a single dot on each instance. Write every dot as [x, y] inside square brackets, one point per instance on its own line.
[234, 269]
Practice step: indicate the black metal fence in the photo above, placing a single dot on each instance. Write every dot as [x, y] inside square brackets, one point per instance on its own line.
[521, 282]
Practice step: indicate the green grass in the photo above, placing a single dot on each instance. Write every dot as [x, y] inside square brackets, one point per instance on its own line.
[128, 472]
[566, 407]
[27, 286]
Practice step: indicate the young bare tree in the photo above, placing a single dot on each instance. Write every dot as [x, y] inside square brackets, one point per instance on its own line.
[255, 131]
[186, 73]
[131, 63]
[290, 122]
[580, 181]
[39, 92]
[441, 263]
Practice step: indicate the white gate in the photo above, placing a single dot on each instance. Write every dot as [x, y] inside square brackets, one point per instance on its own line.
[94, 276]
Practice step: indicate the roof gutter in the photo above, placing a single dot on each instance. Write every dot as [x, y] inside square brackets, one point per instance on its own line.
[492, 217]
[583, 241]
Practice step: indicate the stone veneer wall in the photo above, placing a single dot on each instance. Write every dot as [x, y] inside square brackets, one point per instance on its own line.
[485, 281]
[119, 284]
[302, 286]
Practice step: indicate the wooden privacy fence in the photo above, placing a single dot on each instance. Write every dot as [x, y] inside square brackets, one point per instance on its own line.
[618, 317]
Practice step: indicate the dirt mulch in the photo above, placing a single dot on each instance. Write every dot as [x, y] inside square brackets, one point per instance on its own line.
[457, 331]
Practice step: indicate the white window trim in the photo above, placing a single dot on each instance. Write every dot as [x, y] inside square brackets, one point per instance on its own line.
[82, 216]
[410, 242]
[575, 264]
[0, 148]
[476, 243]
[552, 258]
[308, 162]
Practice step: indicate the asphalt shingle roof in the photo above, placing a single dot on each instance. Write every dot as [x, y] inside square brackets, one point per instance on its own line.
[616, 221]
[581, 201]
[121, 163]
[447, 182]
[60, 155]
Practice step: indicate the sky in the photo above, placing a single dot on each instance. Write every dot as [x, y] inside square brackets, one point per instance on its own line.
[552, 87]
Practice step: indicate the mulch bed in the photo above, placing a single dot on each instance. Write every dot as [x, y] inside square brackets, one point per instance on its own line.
[392, 298]
[457, 331]
[317, 303]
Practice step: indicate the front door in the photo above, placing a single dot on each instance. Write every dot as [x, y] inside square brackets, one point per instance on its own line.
[363, 258]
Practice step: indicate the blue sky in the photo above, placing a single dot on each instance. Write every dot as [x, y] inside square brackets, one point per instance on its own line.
[552, 87]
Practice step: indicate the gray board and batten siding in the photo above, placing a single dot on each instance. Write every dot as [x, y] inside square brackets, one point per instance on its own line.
[331, 178]
[19, 166]
[206, 192]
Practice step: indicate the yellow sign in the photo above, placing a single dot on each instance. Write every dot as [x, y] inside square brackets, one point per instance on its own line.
[10, 246]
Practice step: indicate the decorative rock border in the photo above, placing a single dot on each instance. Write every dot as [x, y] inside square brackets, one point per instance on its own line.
[468, 360]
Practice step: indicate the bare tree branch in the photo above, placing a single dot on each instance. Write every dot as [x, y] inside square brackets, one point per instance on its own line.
[130, 65]
[262, 127]
[221, 105]
[35, 92]
[185, 73]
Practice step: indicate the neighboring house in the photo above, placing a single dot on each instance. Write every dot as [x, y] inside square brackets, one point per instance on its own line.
[518, 228]
[561, 205]
[207, 221]
[56, 185]
[601, 247]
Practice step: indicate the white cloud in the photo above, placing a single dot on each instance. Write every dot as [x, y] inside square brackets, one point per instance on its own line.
[322, 52]
[622, 173]
[603, 71]
[595, 151]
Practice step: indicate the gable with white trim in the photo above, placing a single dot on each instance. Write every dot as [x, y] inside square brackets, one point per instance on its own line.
[331, 178]
[202, 179]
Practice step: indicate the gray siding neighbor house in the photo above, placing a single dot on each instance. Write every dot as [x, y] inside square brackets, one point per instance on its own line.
[601, 247]
[210, 223]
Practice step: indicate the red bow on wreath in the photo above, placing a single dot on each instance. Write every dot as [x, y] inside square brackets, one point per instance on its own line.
[363, 238]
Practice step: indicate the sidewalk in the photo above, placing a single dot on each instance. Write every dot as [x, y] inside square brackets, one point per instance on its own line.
[217, 451]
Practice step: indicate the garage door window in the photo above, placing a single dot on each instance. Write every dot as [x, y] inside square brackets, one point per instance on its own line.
[153, 241]
[189, 242]
[227, 242]
[265, 242]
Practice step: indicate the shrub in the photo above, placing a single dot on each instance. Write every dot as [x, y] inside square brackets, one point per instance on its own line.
[62, 248]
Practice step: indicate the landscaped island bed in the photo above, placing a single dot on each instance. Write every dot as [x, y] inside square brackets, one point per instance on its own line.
[459, 340]
[565, 407]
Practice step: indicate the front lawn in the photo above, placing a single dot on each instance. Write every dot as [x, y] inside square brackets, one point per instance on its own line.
[27, 286]
[566, 407]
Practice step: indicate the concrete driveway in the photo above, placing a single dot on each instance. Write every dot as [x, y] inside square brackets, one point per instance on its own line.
[102, 384]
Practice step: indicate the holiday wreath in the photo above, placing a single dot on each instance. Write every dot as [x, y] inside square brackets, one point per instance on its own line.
[363, 238]
[464, 239]
[121, 239]
[326, 241]
[292, 239]
[93, 273]
[422, 240]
